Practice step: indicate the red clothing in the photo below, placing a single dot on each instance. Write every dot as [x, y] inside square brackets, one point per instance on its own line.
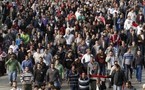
[115, 39]
[71, 16]
[101, 58]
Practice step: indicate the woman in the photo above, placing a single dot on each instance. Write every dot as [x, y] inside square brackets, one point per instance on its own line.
[60, 68]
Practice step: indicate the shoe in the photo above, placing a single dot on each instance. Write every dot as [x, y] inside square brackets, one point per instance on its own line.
[139, 82]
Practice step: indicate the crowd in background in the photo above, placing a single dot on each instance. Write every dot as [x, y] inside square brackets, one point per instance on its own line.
[82, 42]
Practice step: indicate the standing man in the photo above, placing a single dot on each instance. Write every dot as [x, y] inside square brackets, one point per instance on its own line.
[27, 79]
[13, 66]
[27, 63]
[84, 82]
[128, 63]
[52, 75]
[118, 78]
[139, 62]
[73, 78]
[100, 58]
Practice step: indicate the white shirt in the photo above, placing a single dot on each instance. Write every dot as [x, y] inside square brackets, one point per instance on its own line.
[15, 48]
[37, 56]
[86, 58]
[77, 14]
[132, 15]
[69, 39]
[127, 24]
[139, 30]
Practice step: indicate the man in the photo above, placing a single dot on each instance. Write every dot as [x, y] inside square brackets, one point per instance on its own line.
[87, 57]
[118, 78]
[27, 63]
[39, 74]
[128, 86]
[73, 78]
[27, 79]
[52, 75]
[14, 47]
[100, 58]
[37, 55]
[139, 62]
[128, 63]
[13, 66]
[93, 69]
[84, 82]
[47, 57]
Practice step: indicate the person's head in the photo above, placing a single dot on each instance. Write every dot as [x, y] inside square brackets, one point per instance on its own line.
[14, 84]
[56, 62]
[12, 56]
[88, 51]
[91, 59]
[38, 66]
[10, 51]
[26, 57]
[73, 68]
[123, 43]
[83, 75]
[111, 53]
[41, 59]
[13, 42]
[117, 67]
[138, 52]
[26, 69]
[115, 62]
[133, 43]
[128, 84]
[100, 50]
[52, 66]
[38, 50]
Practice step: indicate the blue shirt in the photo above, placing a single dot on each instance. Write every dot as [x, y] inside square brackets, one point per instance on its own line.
[27, 63]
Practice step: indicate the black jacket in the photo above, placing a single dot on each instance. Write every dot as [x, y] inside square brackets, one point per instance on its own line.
[39, 75]
[118, 77]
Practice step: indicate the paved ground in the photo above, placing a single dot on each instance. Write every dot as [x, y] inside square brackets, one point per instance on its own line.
[5, 86]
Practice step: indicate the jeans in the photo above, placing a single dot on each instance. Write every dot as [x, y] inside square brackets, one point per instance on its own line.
[12, 76]
[128, 70]
[73, 88]
[102, 68]
[115, 87]
[121, 61]
[139, 72]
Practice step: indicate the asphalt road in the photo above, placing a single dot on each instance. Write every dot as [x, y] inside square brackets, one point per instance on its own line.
[4, 85]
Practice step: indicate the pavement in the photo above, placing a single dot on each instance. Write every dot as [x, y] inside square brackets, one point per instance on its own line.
[4, 85]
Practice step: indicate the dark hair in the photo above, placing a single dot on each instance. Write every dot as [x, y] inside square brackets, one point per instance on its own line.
[117, 66]
[129, 82]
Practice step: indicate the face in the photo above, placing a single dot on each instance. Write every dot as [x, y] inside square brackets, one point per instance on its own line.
[127, 85]
[56, 62]
[83, 75]
[73, 68]
[14, 84]
[139, 52]
[26, 69]
[52, 66]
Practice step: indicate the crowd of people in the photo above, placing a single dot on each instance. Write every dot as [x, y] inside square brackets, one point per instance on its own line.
[84, 43]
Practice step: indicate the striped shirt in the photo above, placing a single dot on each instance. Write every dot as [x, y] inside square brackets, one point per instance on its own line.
[128, 58]
[27, 77]
[84, 83]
